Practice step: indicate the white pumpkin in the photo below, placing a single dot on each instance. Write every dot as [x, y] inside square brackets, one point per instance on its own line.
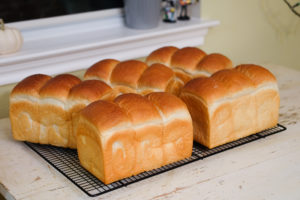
[11, 39]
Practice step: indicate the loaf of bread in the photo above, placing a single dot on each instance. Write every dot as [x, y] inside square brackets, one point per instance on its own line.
[133, 134]
[189, 62]
[231, 104]
[41, 107]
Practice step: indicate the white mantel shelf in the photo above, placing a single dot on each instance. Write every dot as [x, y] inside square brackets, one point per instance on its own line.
[65, 48]
[264, 169]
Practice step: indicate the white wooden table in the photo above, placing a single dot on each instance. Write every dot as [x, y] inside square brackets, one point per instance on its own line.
[264, 169]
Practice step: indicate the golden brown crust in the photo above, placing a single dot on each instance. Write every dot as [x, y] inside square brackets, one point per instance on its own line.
[213, 63]
[162, 55]
[31, 85]
[101, 70]
[59, 86]
[166, 102]
[256, 73]
[138, 108]
[187, 58]
[128, 73]
[207, 88]
[233, 80]
[97, 114]
[91, 90]
[157, 76]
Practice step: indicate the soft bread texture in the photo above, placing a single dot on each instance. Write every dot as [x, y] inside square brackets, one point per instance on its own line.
[80, 96]
[44, 109]
[101, 70]
[23, 112]
[189, 62]
[54, 117]
[211, 64]
[125, 76]
[232, 104]
[177, 139]
[148, 128]
[162, 55]
[159, 78]
[133, 134]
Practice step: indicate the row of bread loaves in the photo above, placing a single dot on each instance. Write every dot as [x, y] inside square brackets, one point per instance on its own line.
[169, 69]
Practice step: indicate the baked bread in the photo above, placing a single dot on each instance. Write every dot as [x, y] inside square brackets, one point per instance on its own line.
[101, 70]
[54, 116]
[232, 104]
[124, 78]
[177, 137]
[133, 134]
[162, 55]
[159, 78]
[211, 64]
[23, 111]
[80, 96]
[44, 109]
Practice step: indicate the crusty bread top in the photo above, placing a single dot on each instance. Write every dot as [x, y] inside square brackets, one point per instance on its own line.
[162, 55]
[91, 90]
[59, 86]
[213, 63]
[138, 108]
[156, 76]
[233, 81]
[128, 73]
[166, 102]
[101, 70]
[105, 115]
[31, 85]
[187, 58]
[259, 75]
[222, 84]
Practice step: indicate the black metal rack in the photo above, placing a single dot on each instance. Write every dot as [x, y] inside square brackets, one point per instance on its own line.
[66, 162]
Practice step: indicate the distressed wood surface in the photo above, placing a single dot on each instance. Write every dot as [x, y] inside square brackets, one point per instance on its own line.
[265, 169]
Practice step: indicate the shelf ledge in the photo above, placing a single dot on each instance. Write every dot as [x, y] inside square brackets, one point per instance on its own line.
[63, 48]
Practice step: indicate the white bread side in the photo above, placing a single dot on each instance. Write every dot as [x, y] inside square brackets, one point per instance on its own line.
[177, 138]
[148, 127]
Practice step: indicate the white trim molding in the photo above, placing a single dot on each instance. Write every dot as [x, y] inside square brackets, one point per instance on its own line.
[66, 47]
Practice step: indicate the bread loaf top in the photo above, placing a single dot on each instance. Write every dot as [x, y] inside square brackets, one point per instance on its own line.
[187, 59]
[101, 70]
[257, 74]
[59, 86]
[94, 113]
[162, 55]
[229, 82]
[167, 103]
[30, 85]
[128, 73]
[156, 76]
[90, 90]
[213, 63]
[139, 108]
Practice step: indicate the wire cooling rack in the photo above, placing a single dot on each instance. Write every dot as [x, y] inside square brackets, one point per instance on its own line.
[66, 162]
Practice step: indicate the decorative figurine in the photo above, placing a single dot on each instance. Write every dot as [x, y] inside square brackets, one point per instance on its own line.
[169, 11]
[183, 10]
